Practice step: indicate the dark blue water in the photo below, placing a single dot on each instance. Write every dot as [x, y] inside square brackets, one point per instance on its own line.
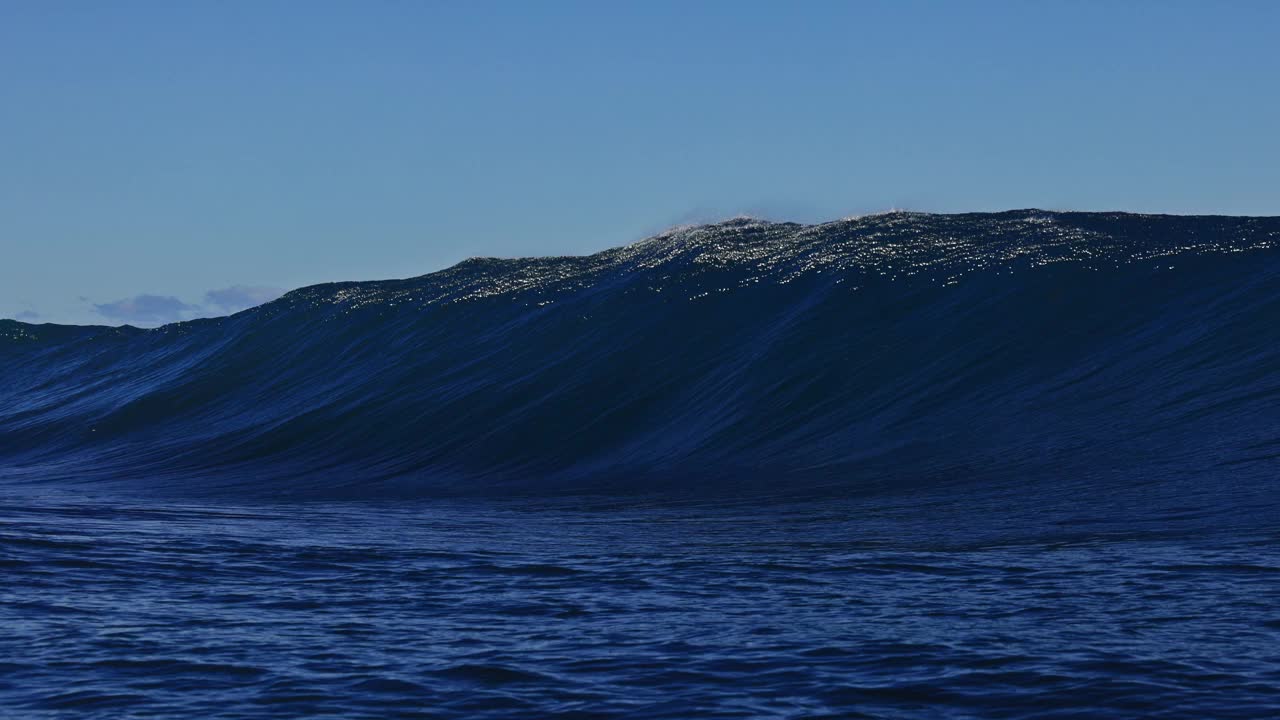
[914, 606]
[1014, 465]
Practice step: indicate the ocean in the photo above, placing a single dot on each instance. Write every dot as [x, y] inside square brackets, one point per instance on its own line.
[1007, 465]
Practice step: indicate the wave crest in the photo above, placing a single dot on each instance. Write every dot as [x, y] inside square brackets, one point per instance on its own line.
[871, 352]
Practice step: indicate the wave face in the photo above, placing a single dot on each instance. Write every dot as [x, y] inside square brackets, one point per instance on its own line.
[1092, 350]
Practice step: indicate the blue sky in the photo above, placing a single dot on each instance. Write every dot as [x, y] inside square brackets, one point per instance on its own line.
[162, 160]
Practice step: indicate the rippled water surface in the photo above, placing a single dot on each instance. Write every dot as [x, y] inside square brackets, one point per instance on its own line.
[889, 607]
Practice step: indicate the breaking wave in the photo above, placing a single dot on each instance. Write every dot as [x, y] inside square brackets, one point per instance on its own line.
[897, 350]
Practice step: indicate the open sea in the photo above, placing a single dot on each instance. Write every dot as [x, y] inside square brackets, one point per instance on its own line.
[1012, 465]
[892, 608]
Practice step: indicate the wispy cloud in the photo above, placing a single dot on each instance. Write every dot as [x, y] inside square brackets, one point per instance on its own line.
[147, 309]
[239, 297]
[27, 316]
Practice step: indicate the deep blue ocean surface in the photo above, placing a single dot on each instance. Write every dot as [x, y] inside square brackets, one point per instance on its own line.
[898, 608]
[1013, 465]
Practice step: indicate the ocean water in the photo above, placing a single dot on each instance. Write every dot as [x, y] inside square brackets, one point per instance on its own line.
[1014, 465]
[903, 607]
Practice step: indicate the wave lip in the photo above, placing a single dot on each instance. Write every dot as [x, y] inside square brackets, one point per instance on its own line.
[872, 353]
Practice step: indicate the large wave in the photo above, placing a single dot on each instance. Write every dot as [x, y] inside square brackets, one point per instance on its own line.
[891, 350]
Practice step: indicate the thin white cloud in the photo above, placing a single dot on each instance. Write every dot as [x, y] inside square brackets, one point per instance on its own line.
[147, 309]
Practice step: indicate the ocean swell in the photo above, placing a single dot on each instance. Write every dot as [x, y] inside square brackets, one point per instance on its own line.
[900, 350]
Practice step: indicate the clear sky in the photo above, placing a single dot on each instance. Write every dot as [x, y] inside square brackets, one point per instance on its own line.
[153, 152]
